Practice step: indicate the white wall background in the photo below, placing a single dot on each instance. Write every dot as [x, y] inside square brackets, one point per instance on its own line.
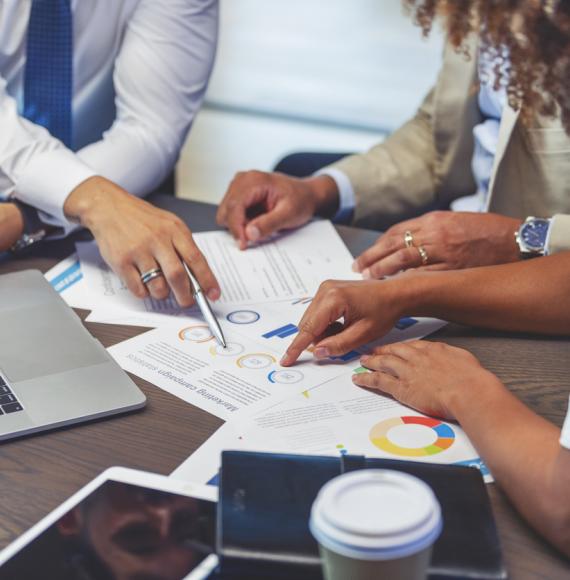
[332, 75]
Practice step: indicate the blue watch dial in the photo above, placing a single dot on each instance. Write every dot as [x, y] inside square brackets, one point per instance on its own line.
[533, 234]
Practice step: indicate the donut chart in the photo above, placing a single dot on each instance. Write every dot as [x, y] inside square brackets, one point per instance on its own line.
[444, 434]
[255, 361]
[196, 333]
[243, 317]
[231, 349]
[286, 377]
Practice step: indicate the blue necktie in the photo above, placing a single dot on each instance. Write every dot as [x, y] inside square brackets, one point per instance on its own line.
[48, 81]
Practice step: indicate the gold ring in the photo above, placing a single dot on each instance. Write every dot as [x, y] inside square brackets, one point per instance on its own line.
[423, 255]
[408, 239]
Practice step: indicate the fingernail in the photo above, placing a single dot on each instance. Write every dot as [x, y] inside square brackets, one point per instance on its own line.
[355, 266]
[364, 359]
[366, 274]
[284, 360]
[253, 233]
[213, 293]
[321, 352]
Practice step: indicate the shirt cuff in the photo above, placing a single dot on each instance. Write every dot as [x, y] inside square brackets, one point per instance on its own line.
[47, 181]
[347, 198]
[558, 238]
[565, 435]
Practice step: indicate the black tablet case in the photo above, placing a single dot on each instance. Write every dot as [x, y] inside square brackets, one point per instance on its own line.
[265, 502]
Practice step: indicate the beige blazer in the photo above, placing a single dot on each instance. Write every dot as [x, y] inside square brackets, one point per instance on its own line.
[427, 162]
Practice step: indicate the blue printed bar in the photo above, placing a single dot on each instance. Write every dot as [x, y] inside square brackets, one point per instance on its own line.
[67, 278]
[282, 332]
[347, 357]
[287, 333]
[404, 323]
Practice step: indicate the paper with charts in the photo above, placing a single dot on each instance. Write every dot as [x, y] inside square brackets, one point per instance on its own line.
[337, 418]
[228, 382]
[185, 360]
[290, 266]
[67, 280]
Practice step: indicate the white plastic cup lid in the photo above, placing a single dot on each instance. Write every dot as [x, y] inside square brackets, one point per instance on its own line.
[376, 514]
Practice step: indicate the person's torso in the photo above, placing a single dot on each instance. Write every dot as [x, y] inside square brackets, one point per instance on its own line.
[531, 173]
[98, 30]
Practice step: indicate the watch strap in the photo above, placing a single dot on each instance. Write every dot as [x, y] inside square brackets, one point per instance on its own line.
[34, 229]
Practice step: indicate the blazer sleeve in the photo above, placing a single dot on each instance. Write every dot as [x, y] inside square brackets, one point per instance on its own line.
[396, 178]
[559, 235]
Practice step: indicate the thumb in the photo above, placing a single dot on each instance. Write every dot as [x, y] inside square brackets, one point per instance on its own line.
[279, 217]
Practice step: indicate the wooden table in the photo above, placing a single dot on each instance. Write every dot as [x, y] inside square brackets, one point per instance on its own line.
[39, 472]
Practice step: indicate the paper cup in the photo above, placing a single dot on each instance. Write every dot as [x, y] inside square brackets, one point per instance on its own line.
[375, 524]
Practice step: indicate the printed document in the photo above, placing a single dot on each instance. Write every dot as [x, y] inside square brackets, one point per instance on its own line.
[291, 266]
[265, 331]
[337, 418]
[245, 377]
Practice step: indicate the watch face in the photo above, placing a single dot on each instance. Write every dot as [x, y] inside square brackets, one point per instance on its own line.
[533, 234]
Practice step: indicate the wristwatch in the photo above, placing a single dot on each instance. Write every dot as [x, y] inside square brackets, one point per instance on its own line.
[532, 236]
[34, 229]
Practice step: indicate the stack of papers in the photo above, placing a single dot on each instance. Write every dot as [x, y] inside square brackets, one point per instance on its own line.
[312, 407]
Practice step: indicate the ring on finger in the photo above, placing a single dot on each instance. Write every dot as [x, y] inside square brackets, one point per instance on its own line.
[149, 275]
[408, 239]
[423, 255]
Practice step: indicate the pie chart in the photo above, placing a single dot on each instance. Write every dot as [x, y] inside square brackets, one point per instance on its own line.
[412, 436]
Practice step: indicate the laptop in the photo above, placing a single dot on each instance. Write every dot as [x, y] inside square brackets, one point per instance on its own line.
[52, 371]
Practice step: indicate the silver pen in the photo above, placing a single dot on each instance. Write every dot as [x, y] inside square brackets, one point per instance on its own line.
[205, 307]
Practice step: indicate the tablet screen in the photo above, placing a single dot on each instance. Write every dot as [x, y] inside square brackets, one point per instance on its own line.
[120, 532]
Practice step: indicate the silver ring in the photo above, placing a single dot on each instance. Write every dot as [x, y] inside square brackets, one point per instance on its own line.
[423, 255]
[146, 277]
[409, 239]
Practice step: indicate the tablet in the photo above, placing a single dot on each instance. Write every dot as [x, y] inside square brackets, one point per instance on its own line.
[123, 525]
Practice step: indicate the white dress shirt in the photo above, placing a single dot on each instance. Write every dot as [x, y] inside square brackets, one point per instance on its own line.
[565, 435]
[140, 71]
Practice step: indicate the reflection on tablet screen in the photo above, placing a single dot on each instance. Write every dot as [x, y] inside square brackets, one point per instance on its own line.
[121, 532]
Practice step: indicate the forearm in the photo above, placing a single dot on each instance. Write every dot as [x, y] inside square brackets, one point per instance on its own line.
[522, 451]
[529, 296]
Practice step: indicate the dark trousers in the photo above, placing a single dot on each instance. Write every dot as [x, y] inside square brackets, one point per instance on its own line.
[167, 187]
[305, 164]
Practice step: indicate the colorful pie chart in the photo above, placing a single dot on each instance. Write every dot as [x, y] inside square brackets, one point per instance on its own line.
[438, 440]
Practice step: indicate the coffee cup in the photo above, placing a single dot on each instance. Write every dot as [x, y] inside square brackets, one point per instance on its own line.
[375, 524]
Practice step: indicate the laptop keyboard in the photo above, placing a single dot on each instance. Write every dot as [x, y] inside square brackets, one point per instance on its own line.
[8, 401]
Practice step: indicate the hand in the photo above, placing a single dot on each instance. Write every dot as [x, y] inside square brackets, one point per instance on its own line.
[11, 225]
[135, 237]
[430, 377]
[369, 309]
[259, 204]
[451, 240]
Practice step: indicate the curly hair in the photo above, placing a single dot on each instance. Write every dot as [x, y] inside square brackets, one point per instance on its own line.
[527, 40]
